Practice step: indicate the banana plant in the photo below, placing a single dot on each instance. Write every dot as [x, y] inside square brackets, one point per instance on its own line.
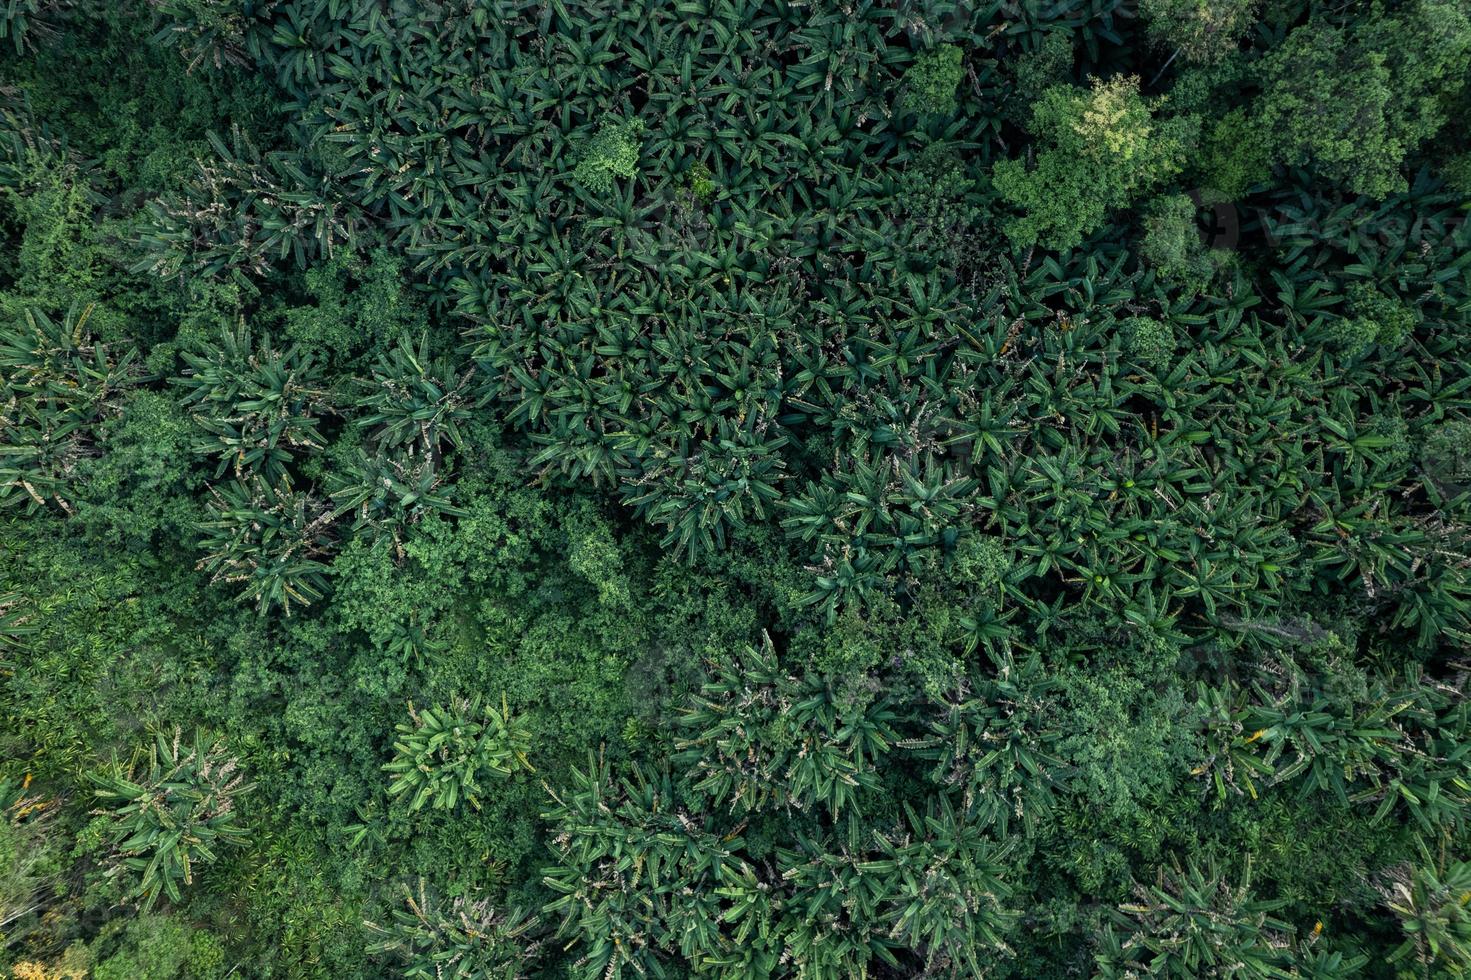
[443, 754]
[169, 813]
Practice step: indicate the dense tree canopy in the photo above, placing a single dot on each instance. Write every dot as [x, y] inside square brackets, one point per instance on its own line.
[735, 488]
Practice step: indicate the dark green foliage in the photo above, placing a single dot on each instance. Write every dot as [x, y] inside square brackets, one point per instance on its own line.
[256, 405]
[635, 879]
[947, 898]
[1458, 173]
[356, 304]
[945, 902]
[764, 739]
[1234, 156]
[388, 490]
[1393, 321]
[142, 483]
[938, 197]
[592, 552]
[1359, 739]
[640, 882]
[951, 489]
[1039, 69]
[27, 23]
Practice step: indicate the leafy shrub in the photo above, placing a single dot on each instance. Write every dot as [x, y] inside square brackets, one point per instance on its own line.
[1235, 154]
[357, 303]
[1172, 243]
[930, 83]
[937, 194]
[1151, 342]
[1200, 30]
[140, 486]
[1394, 321]
[593, 553]
[1099, 149]
[156, 947]
[1041, 68]
[1446, 455]
[612, 152]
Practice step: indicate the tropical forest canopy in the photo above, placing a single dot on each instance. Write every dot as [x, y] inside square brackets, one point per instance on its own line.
[735, 489]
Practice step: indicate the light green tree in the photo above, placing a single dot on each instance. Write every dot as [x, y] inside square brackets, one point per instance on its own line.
[1098, 149]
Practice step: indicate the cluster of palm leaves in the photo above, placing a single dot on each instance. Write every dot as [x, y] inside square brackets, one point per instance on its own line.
[169, 814]
[442, 753]
[58, 382]
[643, 884]
[1360, 739]
[765, 740]
[258, 407]
[787, 344]
[467, 939]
